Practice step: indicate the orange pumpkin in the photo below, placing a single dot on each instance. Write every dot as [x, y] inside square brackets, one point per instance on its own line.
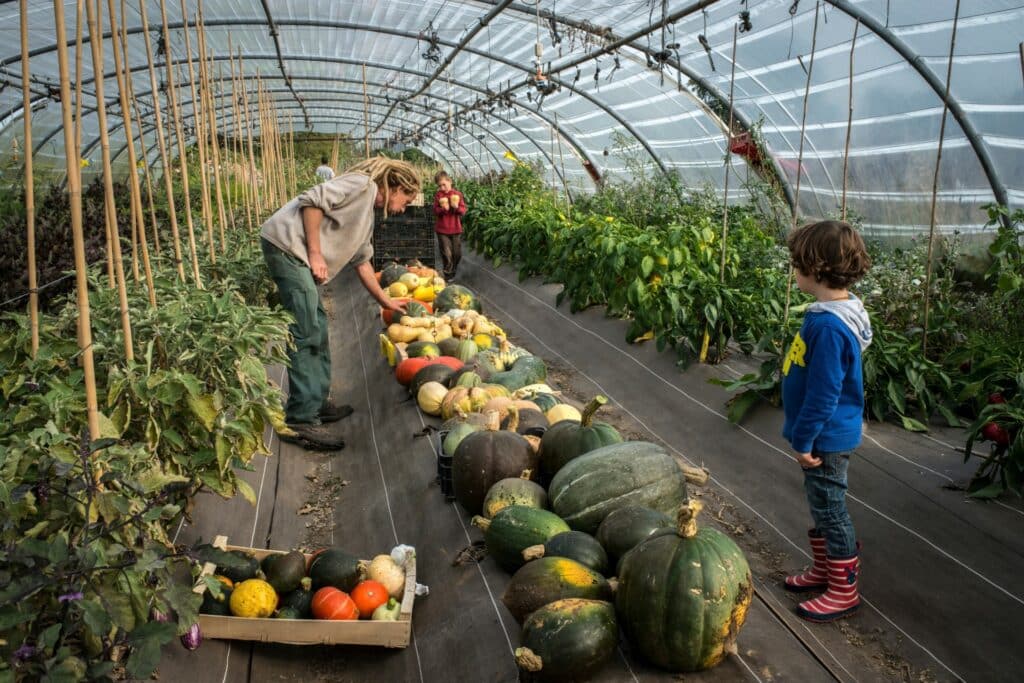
[452, 362]
[377, 275]
[408, 368]
[368, 596]
[333, 604]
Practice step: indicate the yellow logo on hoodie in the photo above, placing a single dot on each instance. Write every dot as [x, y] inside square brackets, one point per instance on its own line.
[796, 354]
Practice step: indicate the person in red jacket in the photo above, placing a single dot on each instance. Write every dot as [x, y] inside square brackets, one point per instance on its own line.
[449, 207]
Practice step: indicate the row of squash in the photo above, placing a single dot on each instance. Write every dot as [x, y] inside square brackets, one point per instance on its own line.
[599, 533]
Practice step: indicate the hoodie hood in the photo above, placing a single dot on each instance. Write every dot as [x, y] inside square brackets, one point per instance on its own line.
[852, 312]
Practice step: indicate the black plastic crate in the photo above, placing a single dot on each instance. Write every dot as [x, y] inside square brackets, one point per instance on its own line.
[405, 237]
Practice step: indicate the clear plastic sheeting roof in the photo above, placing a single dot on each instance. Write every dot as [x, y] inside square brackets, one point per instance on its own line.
[643, 80]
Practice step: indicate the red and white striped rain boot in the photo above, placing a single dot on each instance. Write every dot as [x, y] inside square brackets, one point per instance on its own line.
[841, 598]
[816, 577]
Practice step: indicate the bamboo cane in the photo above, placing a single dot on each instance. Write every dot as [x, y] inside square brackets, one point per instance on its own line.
[30, 191]
[92, 8]
[206, 79]
[75, 197]
[256, 198]
[238, 128]
[935, 185]
[849, 123]
[282, 180]
[162, 145]
[179, 133]
[229, 200]
[800, 161]
[199, 121]
[293, 190]
[366, 114]
[334, 154]
[133, 183]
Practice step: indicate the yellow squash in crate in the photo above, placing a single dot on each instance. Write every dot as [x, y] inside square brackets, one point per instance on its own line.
[253, 598]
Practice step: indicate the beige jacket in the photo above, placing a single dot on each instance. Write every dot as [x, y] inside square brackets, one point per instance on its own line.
[346, 229]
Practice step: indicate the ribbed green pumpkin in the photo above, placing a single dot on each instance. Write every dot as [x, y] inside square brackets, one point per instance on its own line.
[543, 581]
[567, 640]
[566, 440]
[466, 350]
[456, 296]
[390, 274]
[515, 491]
[515, 528]
[593, 485]
[683, 595]
[628, 527]
[574, 545]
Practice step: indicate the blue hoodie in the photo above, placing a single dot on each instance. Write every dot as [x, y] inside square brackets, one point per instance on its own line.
[823, 381]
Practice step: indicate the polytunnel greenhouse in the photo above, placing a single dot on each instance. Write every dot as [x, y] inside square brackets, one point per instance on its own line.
[486, 340]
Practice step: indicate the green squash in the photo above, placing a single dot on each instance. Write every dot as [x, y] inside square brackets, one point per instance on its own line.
[299, 600]
[466, 350]
[567, 640]
[465, 378]
[415, 309]
[574, 545]
[683, 595]
[514, 491]
[216, 606]
[335, 567]
[456, 434]
[543, 581]
[241, 567]
[391, 273]
[448, 345]
[597, 483]
[568, 439]
[628, 527]
[525, 370]
[422, 349]
[285, 573]
[456, 297]
[544, 401]
[515, 528]
[484, 458]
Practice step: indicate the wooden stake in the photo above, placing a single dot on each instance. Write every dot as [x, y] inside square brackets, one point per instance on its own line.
[172, 92]
[239, 127]
[199, 122]
[92, 8]
[75, 197]
[366, 114]
[800, 162]
[133, 181]
[206, 79]
[253, 185]
[849, 123]
[30, 191]
[229, 199]
[162, 144]
[935, 185]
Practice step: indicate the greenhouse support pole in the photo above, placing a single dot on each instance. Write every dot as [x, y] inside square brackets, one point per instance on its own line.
[92, 9]
[291, 162]
[179, 133]
[935, 187]
[138, 218]
[366, 115]
[75, 198]
[800, 164]
[199, 122]
[561, 161]
[849, 124]
[30, 190]
[165, 160]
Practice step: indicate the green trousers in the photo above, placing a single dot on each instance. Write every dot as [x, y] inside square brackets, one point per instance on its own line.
[309, 377]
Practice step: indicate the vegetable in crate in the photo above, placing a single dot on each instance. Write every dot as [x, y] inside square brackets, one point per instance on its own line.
[298, 601]
[335, 567]
[286, 572]
[334, 605]
[368, 596]
[567, 640]
[384, 569]
[254, 599]
[389, 611]
[239, 566]
[683, 595]
[597, 483]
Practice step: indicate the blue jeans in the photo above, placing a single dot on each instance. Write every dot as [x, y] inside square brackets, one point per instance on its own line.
[826, 494]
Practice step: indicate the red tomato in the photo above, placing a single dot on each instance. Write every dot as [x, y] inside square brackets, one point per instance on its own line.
[368, 596]
[333, 604]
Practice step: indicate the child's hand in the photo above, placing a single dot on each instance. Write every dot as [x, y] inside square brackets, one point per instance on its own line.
[808, 461]
[443, 201]
[455, 201]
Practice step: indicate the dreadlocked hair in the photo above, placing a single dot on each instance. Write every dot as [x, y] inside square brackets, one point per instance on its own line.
[388, 174]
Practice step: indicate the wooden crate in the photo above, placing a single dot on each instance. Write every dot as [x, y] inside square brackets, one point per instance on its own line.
[310, 631]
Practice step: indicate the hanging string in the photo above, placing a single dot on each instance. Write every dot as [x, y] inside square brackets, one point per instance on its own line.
[935, 185]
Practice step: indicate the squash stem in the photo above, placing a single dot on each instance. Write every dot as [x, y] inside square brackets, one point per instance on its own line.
[513, 418]
[588, 412]
[687, 518]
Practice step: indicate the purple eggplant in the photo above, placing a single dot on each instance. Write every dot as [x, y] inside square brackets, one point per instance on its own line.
[193, 638]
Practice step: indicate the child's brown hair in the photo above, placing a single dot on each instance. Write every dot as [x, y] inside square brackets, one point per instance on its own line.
[831, 252]
[441, 175]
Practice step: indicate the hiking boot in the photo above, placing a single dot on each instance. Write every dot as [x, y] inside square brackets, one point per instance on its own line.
[313, 437]
[332, 413]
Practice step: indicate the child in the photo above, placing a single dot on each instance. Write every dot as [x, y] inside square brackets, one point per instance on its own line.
[307, 242]
[449, 207]
[823, 400]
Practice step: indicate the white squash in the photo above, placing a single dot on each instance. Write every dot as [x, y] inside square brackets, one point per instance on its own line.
[430, 396]
[384, 569]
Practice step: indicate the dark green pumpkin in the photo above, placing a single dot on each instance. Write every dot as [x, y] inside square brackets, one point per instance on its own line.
[597, 483]
[456, 434]
[436, 372]
[524, 371]
[286, 572]
[543, 581]
[216, 606]
[335, 567]
[242, 566]
[544, 401]
[574, 545]
[300, 600]
[568, 439]
[567, 640]
[422, 349]
[415, 309]
[683, 595]
[515, 528]
[456, 296]
[390, 274]
[448, 346]
[627, 527]
[514, 491]
[484, 458]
